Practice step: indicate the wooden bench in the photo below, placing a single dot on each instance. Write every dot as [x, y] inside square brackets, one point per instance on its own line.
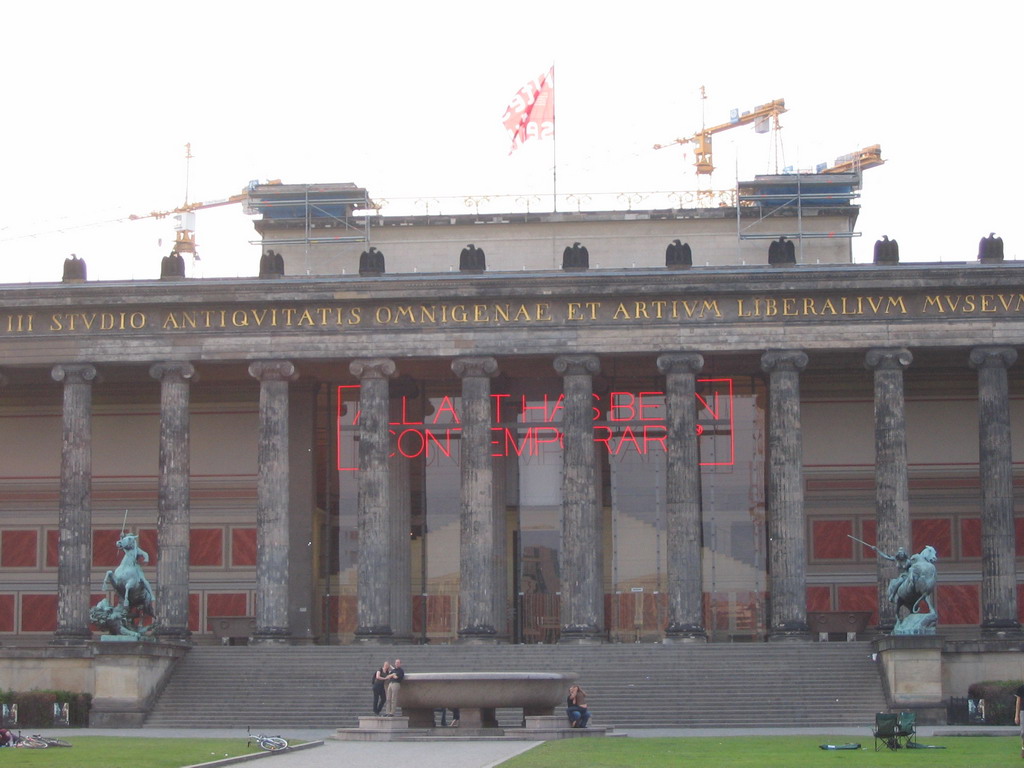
[232, 628]
[828, 622]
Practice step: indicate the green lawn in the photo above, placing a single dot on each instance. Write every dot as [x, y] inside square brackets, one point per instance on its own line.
[125, 752]
[766, 752]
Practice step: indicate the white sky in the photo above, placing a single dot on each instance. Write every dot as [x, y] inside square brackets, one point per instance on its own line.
[406, 99]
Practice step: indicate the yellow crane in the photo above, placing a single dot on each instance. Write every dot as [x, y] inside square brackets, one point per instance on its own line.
[185, 235]
[761, 115]
[861, 160]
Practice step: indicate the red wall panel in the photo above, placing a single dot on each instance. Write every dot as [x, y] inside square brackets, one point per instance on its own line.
[970, 537]
[194, 603]
[243, 546]
[226, 604]
[206, 546]
[105, 553]
[19, 549]
[868, 528]
[859, 598]
[147, 542]
[933, 532]
[38, 613]
[831, 539]
[6, 613]
[819, 599]
[52, 542]
[958, 604]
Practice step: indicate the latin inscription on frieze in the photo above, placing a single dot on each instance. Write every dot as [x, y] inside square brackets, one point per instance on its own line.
[340, 316]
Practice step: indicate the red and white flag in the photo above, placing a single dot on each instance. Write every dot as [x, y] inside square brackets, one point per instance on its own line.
[531, 115]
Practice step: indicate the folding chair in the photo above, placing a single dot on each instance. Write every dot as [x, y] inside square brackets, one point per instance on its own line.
[906, 730]
[887, 730]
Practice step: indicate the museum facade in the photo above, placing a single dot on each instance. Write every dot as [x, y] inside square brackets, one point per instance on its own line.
[526, 452]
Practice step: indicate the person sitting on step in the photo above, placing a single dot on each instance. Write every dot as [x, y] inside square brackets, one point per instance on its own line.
[576, 707]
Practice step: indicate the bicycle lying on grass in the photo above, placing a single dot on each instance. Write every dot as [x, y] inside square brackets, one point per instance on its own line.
[269, 743]
[35, 741]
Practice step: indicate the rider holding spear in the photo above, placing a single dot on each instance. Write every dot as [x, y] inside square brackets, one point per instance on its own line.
[902, 560]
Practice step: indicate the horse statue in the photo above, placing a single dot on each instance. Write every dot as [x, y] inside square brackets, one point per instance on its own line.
[128, 580]
[916, 585]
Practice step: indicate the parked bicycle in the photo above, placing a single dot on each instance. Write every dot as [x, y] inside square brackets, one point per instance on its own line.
[269, 743]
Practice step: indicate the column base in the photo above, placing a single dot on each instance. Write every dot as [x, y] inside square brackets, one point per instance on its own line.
[173, 634]
[581, 635]
[382, 635]
[685, 633]
[792, 633]
[997, 629]
[71, 637]
[270, 636]
[478, 635]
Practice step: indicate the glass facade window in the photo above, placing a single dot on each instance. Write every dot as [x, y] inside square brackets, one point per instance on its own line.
[526, 447]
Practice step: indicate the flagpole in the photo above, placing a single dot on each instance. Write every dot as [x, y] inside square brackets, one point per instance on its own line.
[554, 151]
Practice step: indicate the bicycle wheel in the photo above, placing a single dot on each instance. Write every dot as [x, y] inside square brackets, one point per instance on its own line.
[32, 742]
[273, 743]
[54, 742]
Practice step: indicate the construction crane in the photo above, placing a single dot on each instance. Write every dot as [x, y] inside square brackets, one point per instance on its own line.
[861, 160]
[185, 218]
[760, 116]
[184, 214]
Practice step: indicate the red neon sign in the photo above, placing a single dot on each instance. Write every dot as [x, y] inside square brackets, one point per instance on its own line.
[624, 422]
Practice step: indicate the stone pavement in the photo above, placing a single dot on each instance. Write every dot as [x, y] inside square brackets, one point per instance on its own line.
[473, 754]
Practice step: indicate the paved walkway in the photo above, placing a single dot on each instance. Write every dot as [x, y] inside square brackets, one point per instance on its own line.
[474, 754]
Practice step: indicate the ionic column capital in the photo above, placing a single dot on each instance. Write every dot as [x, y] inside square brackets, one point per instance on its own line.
[992, 357]
[783, 360]
[568, 365]
[681, 362]
[82, 372]
[273, 370]
[475, 367]
[888, 358]
[372, 368]
[174, 371]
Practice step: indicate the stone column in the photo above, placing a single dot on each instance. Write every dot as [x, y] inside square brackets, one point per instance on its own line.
[173, 510]
[399, 550]
[998, 571]
[477, 576]
[787, 538]
[582, 591]
[302, 485]
[374, 593]
[74, 553]
[892, 497]
[683, 498]
[272, 540]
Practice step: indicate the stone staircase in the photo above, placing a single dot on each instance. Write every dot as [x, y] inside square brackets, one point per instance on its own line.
[655, 686]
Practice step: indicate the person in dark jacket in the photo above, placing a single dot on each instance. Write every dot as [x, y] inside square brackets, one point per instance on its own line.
[576, 707]
[380, 687]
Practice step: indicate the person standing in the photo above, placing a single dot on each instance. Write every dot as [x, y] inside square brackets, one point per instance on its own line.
[1016, 716]
[380, 686]
[576, 707]
[394, 679]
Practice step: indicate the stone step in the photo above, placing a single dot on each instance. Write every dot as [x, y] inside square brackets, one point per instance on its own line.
[695, 686]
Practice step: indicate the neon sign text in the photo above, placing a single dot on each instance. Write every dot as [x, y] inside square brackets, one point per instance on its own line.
[623, 422]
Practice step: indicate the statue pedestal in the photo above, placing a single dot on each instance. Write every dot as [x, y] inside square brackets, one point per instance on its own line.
[912, 668]
[127, 677]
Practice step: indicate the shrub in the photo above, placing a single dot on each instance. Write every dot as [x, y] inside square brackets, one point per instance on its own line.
[999, 699]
